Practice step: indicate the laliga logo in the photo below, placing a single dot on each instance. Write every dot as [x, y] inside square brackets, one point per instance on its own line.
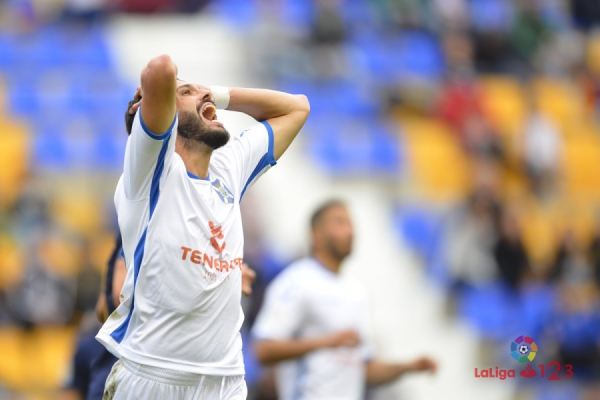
[524, 349]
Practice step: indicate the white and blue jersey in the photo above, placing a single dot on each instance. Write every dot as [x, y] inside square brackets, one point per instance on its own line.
[183, 245]
[307, 301]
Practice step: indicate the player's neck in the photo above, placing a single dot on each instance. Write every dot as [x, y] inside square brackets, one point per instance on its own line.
[327, 261]
[196, 159]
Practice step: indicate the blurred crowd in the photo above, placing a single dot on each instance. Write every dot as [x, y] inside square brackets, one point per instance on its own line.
[493, 106]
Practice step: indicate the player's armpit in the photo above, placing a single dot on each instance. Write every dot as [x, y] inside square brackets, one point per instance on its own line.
[159, 82]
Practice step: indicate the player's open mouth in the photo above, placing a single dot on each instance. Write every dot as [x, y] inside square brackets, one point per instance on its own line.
[208, 111]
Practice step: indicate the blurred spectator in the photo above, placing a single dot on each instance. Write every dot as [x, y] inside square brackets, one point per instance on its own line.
[529, 30]
[594, 256]
[542, 152]
[452, 15]
[396, 14]
[586, 13]
[509, 251]
[328, 33]
[46, 295]
[575, 326]
[470, 240]
[479, 139]
[492, 22]
[571, 263]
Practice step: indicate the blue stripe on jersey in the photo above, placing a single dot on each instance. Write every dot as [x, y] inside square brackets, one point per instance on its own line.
[266, 160]
[119, 333]
[154, 187]
[153, 135]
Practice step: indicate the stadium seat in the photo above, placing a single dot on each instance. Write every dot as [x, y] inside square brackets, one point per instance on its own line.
[491, 310]
[48, 354]
[415, 53]
[559, 100]
[437, 163]
[14, 154]
[581, 168]
[13, 365]
[540, 232]
[80, 213]
[12, 262]
[504, 103]
[494, 15]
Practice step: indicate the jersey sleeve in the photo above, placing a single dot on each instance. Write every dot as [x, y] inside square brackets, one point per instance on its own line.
[147, 154]
[248, 156]
[282, 312]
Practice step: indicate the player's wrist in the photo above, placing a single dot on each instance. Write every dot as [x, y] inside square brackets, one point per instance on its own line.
[220, 96]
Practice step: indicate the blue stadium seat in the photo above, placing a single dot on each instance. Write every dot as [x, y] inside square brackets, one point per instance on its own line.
[7, 51]
[50, 151]
[491, 14]
[241, 13]
[492, 310]
[298, 13]
[419, 228]
[415, 53]
[386, 155]
[109, 152]
[537, 306]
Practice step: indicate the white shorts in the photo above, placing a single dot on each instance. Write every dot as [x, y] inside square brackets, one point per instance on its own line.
[132, 381]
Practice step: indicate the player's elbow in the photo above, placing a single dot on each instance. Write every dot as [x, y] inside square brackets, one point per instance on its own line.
[160, 68]
[303, 105]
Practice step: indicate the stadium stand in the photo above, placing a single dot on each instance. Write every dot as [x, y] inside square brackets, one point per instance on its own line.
[446, 112]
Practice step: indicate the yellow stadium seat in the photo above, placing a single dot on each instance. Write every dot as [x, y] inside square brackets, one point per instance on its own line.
[593, 54]
[12, 362]
[540, 233]
[559, 100]
[581, 165]
[49, 353]
[438, 164]
[504, 103]
[11, 262]
[14, 160]
[63, 256]
[78, 212]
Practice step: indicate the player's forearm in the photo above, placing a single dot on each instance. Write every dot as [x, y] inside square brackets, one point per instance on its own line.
[379, 373]
[274, 351]
[263, 104]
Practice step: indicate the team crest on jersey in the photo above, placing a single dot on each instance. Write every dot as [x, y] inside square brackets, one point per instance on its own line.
[223, 192]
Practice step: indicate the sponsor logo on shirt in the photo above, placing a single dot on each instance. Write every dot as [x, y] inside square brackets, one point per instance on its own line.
[215, 263]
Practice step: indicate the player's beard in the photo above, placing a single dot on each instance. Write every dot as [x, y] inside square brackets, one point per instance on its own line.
[339, 249]
[194, 130]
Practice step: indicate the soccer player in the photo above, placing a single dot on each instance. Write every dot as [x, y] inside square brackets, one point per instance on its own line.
[176, 330]
[313, 323]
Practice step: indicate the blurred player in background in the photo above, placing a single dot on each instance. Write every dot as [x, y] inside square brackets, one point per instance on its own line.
[92, 362]
[176, 330]
[314, 322]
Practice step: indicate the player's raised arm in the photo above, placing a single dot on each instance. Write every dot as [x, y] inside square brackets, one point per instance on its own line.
[159, 81]
[286, 113]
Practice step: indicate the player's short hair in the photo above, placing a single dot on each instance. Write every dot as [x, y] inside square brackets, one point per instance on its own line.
[318, 214]
[130, 117]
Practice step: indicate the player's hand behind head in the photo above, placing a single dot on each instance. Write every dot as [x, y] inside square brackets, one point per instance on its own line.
[138, 101]
[248, 276]
[347, 338]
